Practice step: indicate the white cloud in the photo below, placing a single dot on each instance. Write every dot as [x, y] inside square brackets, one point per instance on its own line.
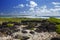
[19, 6]
[41, 11]
[22, 5]
[57, 6]
[56, 3]
[56, 9]
[33, 4]
[44, 11]
[31, 9]
[44, 7]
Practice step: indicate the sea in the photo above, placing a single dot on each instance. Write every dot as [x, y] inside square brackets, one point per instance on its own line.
[19, 16]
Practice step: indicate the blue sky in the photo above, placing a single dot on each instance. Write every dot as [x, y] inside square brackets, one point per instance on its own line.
[30, 7]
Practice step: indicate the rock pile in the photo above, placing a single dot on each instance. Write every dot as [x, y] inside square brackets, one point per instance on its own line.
[41, 30]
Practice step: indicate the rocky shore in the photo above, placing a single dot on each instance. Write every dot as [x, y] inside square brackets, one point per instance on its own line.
[29, 30]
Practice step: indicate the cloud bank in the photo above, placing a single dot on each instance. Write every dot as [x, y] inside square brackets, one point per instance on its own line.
[36, 10]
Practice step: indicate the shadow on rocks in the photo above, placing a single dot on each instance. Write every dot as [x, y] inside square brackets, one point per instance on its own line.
[55, 39]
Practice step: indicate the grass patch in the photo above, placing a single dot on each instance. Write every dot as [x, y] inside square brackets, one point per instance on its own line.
[58, 29]
[10, 25]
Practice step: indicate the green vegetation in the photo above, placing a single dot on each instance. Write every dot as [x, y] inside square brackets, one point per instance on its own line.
[16, 19]
[58, 29]
[31, 25]
[55, 20]
[10, 25]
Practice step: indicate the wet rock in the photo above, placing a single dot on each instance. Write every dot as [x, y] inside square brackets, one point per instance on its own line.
[31, 32]
[25, 38]
[23, 31]
[17, 37]
[55, 39]
[16, 30]
[38, 30]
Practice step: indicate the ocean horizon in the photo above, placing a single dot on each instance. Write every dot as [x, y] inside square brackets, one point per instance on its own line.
[17, 16]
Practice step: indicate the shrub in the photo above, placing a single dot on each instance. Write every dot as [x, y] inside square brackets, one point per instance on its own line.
[10, 25]
[58, 29]
[55, 20]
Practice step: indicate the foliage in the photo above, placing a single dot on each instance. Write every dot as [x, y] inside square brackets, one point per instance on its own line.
[51, 19]
[55, 20]
[58, 29]
[17, 19]
[10, 25]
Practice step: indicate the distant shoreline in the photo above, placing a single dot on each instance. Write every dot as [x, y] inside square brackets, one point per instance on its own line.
[29, 17]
